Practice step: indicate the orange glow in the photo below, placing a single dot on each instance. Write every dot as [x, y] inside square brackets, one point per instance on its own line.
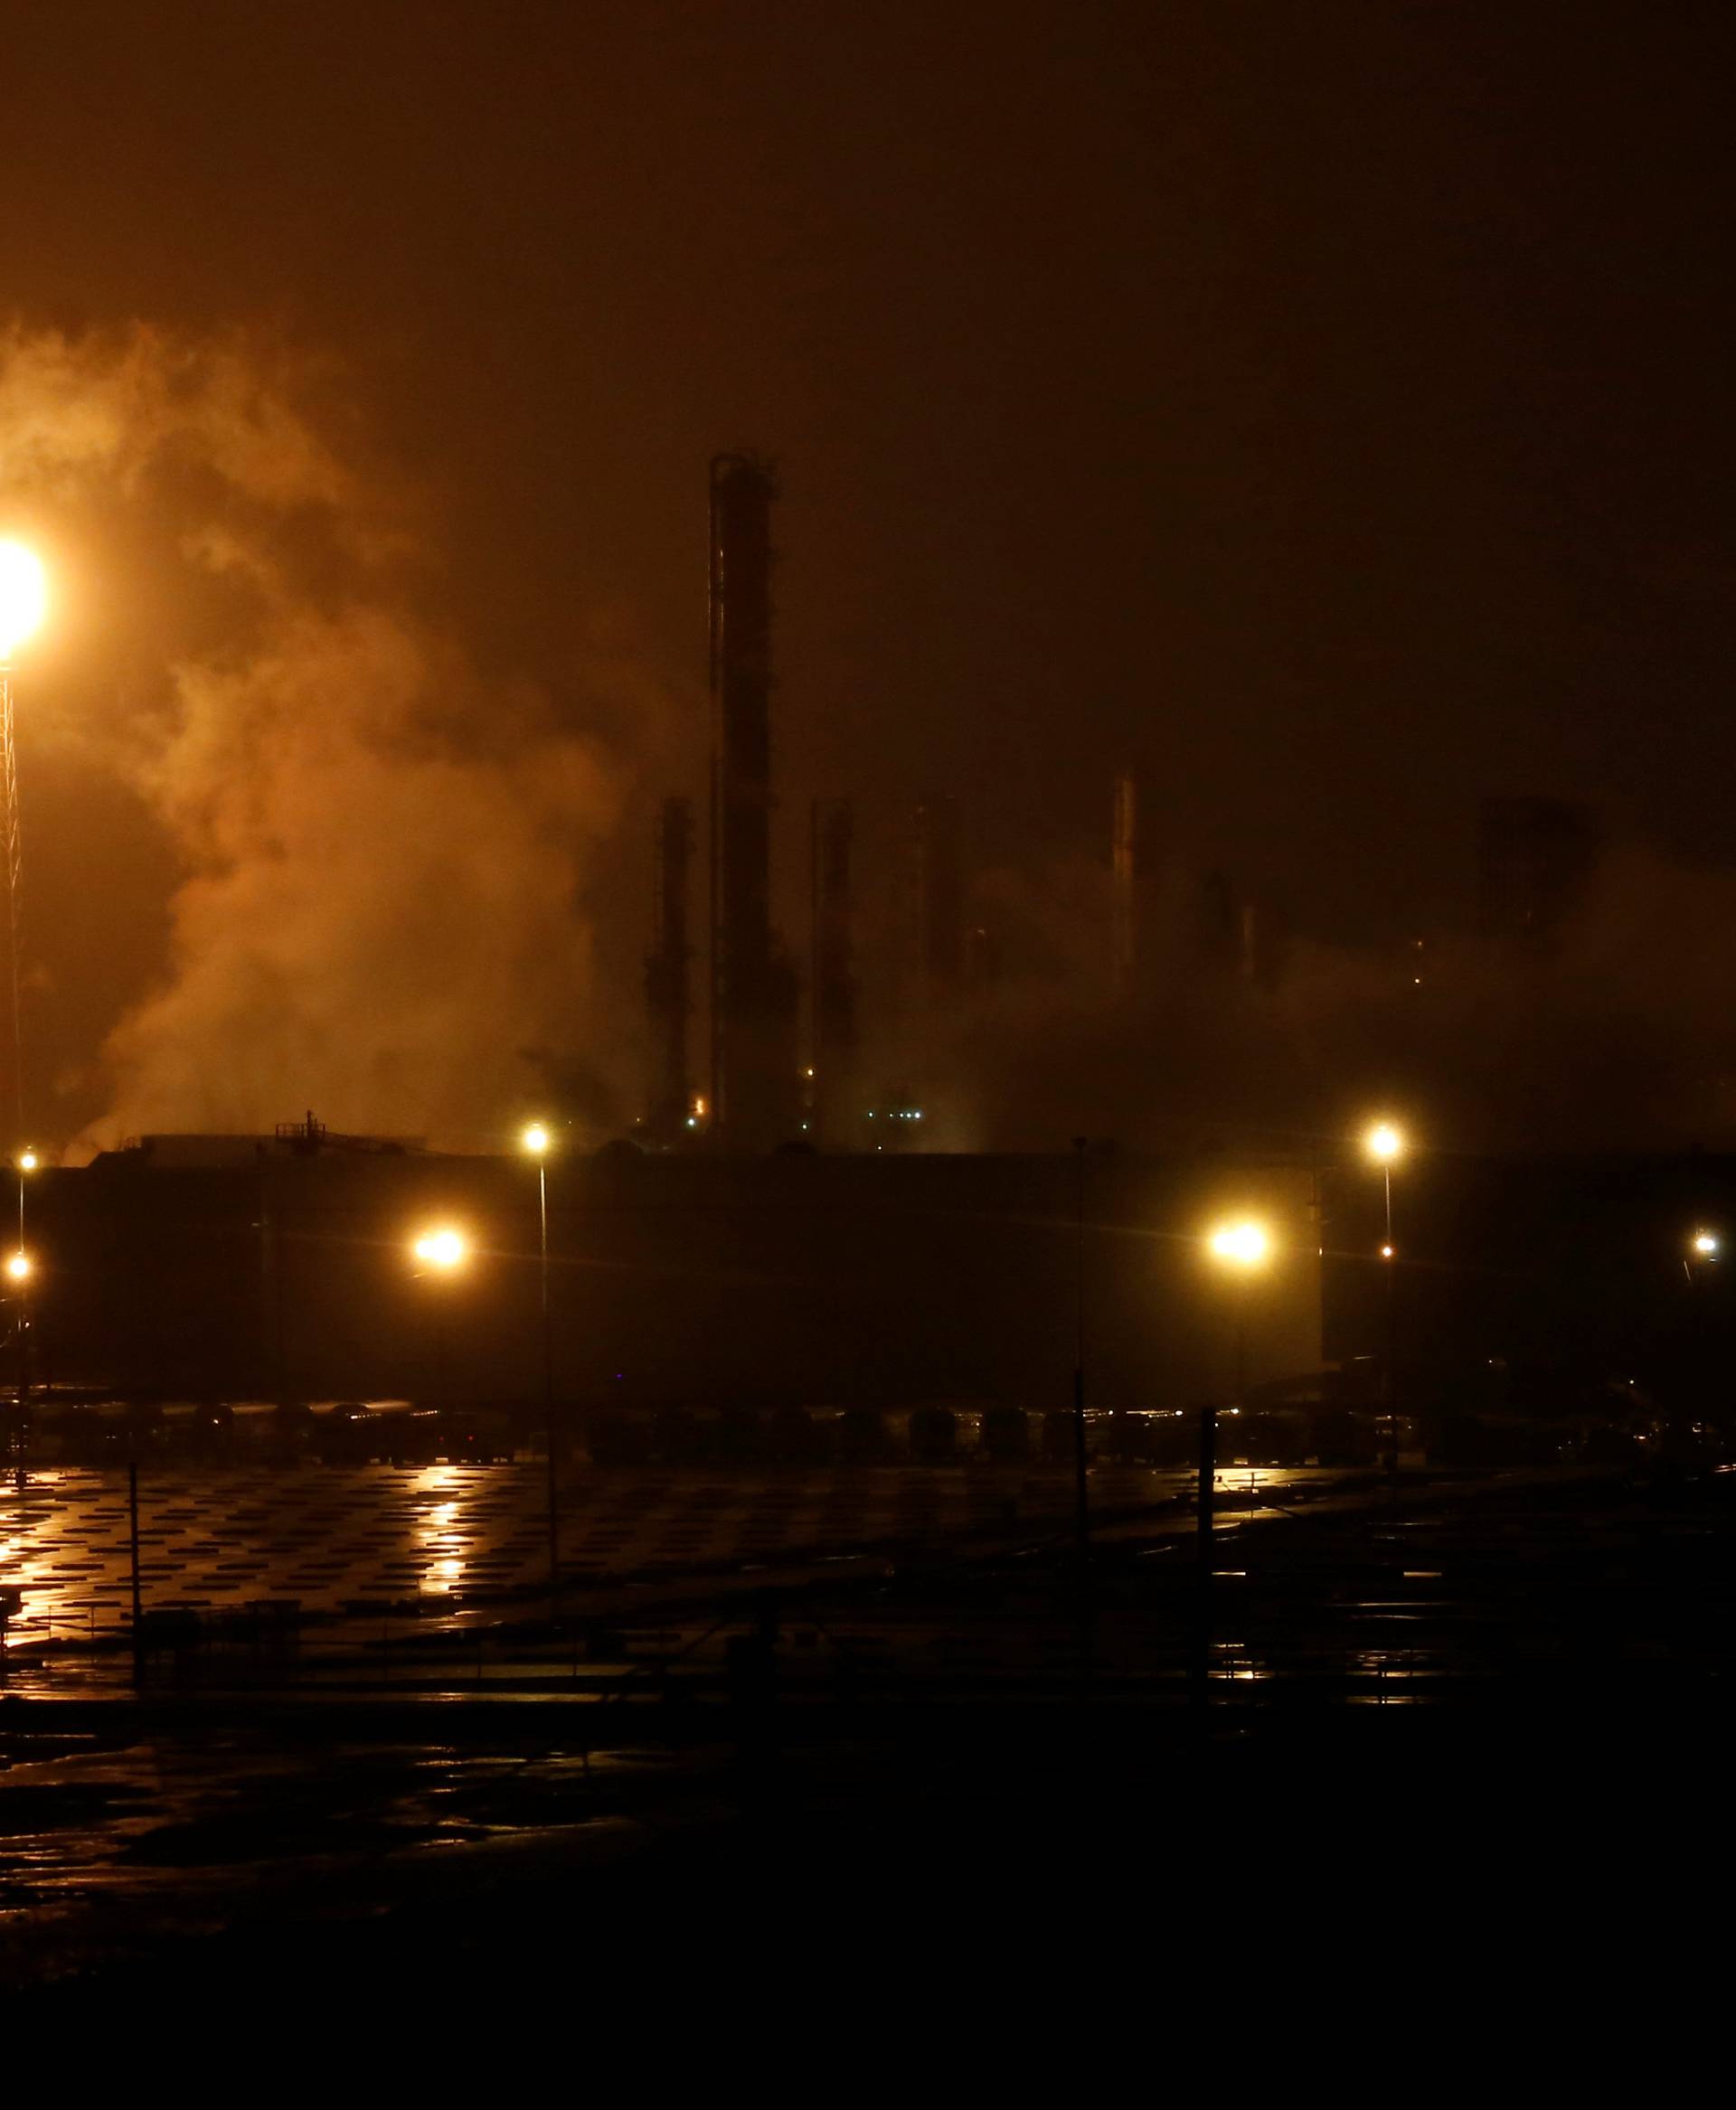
[23, 596]
[20, 1267]
[444, 1249]
[1246, 1243]
[1383, 1143]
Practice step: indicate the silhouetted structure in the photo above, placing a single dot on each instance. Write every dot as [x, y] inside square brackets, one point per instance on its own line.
[667, 991]
[755, 1084]
[1535, 860]
[835, 983]
[878, 1277]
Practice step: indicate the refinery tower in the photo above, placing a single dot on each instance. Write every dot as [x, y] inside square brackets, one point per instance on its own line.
[756, 1072]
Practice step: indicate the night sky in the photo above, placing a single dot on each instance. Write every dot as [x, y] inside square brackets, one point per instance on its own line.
[1324, 406]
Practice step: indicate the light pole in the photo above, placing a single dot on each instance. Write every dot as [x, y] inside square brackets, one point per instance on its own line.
[534, 1141]
[1384, 1145]
[1242, 1248]
[1703, 1248]
[443, 1249]
[20, 1268]
[24, 602]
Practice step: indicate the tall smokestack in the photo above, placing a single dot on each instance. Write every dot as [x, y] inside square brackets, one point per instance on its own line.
[755, 1087]
[668, 992]
[835, 985]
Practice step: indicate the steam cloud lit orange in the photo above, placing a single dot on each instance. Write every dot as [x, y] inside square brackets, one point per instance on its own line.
[380, 847]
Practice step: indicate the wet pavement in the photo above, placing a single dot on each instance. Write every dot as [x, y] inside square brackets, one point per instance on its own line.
[401, 1794]
[327, 1538]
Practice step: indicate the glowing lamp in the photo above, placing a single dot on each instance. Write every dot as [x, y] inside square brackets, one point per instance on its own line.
[1241, 1245]
[444, 1249]
[23, 596]
[20, 1267]
[1705, 1245]
[28, 1161]
[535, 1139]
[1383, 1143]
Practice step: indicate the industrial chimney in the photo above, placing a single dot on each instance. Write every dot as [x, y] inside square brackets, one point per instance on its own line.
[756, 1088]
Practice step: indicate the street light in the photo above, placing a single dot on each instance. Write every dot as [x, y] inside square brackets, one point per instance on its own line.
[25, 1164]
[444, 1249]
[1242, 1247]
[20, 1268]
[536, 1141]
[1704, 1250]
[23, 596]
[1384, 1145]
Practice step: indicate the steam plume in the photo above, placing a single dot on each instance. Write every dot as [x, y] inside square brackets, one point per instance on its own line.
[380, 848]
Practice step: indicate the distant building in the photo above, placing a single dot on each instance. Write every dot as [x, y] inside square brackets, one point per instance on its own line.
[1534, 860]
[889, 1277]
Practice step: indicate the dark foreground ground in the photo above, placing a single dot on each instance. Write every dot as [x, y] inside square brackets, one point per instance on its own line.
[1416, 1725]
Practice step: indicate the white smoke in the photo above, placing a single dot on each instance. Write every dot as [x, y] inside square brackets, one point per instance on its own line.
[381, 849]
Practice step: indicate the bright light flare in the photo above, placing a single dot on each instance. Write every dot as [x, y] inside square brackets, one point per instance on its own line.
[23, 596]
[28, 1161]
[535, 1139]
[1706, 1245]
[1246, 1243]
[444, 1249]
[1384, 1142]
[20, 1267]
[1387, 1252]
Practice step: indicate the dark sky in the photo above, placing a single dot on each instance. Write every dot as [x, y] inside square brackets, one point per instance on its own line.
[1325, 404]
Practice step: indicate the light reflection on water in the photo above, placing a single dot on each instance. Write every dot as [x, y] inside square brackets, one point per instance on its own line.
[319, 1537]
[328, 1537]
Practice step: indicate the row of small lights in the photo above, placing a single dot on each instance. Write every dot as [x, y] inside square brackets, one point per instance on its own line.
[1245, 1243]
[1248, 1244]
